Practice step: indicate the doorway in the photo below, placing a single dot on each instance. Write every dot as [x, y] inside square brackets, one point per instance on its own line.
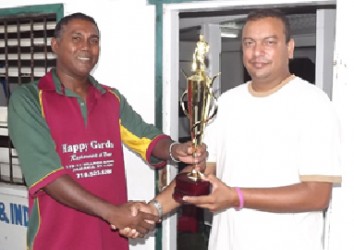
[183, 23]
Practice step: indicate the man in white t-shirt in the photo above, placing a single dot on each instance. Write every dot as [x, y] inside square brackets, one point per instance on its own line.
[273, 151]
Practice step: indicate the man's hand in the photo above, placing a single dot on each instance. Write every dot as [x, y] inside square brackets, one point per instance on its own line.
[187, 153]
[136, 216]
[135, 210]
[220, 198]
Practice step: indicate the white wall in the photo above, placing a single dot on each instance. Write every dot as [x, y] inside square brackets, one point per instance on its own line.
[127, 63]
[342, 213]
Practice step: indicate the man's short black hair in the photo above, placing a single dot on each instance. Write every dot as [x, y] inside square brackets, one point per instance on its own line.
[276, 13]
[65, 20]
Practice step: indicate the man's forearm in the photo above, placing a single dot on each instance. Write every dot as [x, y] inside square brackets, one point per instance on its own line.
[165, 197]
[166, 200]
[68, 192]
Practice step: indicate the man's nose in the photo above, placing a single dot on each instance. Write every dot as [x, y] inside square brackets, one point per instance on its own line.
[258, 48]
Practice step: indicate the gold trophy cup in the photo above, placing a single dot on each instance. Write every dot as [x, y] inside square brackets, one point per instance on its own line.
[201, 108]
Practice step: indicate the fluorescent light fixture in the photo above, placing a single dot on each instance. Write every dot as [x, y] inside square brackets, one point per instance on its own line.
[228, 35]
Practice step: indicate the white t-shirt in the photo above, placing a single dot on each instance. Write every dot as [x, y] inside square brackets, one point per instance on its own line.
[277, 140]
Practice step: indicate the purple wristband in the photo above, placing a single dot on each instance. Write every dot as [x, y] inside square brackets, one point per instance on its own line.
[240, 198]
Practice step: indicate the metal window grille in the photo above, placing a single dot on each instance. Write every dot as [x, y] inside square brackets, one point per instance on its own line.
[25, 56]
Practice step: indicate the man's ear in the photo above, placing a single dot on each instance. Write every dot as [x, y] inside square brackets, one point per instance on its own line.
[291, 47]
[54, 45]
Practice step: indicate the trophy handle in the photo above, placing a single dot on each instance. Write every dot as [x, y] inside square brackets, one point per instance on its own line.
[182, 103]
[214, 108]
[183, 95]
[184, 73]
[213, 78]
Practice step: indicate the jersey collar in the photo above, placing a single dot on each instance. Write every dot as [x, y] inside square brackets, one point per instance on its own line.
[51, 82]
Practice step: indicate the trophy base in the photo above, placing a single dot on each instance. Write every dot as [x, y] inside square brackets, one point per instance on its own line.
[186, 184]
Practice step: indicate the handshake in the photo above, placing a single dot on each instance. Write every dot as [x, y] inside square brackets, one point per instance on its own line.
[135, 219]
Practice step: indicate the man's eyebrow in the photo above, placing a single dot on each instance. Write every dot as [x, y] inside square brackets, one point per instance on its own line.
[76, 33]
[272, 36]
[95, 36]
[247, 38]
[80, 33]
[267, 37]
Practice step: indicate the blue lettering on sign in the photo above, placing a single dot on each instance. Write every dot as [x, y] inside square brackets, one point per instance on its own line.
[17, 215]
[3, 216]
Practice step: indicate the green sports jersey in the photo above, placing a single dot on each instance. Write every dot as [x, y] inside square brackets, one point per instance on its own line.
[55, 132]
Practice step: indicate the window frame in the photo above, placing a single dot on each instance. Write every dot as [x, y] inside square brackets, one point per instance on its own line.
[5, 142]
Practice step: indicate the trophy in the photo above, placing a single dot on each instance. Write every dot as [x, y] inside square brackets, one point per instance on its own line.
[200, 108]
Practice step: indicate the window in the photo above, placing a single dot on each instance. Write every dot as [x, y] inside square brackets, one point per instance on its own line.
[25, 56]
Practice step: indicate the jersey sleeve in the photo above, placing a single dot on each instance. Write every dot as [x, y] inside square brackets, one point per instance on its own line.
[40, 163]
[137, 135]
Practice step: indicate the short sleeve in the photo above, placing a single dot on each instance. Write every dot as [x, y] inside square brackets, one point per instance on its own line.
[319, 156]
[39, 161]
[138, 135]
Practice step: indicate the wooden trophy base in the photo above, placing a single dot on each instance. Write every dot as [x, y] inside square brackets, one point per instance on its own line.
[186, 184]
